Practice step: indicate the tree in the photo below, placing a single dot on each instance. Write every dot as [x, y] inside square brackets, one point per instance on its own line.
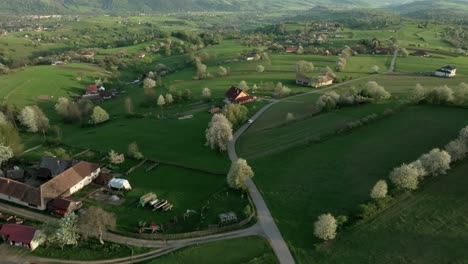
[206, 93]
[340, 64]
[238, 174]
[3, 119]
[375, 69]
[115, 158]
[9, 136]
[300, 50]
[129, 106]
[161, 102]
[68, 232]
[375, 91]
[327, 101]
[289, 117]
[260, 68]
[169, 98]
[419, 93]
[403, 52]
[235, 113]
[134, 151]
[281, 90]
[379, 190]
[222, 71]
[457, 149]
[405, 177]
[5, 153]
[304, 66]
[219, 132]
[440, 95]
[148, 87]
[436, 162]
[461, 94]
[34, 119]
[325, 227]
[99, 115]
[243, 85]
[4, 69]
[95, 221]
[463, 135]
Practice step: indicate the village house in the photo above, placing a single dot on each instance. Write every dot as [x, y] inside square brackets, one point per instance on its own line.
[252, 57]
[238, 96]
[21, 235]
[446, 71]
[382, 51]
[421, 53]
[63, 206]
[291, 49]
[65, 184]
[314, 82]
[140, 55]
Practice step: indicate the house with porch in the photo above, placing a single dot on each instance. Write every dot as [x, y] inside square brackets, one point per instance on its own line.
[447, 71]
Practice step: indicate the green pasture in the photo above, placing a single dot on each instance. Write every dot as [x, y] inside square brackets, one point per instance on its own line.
[185, 189]
[25, 86]
[428, 226]
[337, 174]
[254, 250]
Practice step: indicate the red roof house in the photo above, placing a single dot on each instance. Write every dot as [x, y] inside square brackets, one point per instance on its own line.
[291, 49]
[21, 235]
[239, 96]
[91, 89]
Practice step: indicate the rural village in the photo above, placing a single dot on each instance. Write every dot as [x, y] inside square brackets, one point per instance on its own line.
[331, 134]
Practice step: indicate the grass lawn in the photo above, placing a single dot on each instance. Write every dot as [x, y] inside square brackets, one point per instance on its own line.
[89, 249]
[429, 226]
[336, 175]
[261, 140]
[185, 189]
[241, 250]
[25, 86]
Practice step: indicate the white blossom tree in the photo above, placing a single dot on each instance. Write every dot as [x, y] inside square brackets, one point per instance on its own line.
[325, 227]
[115, 158]
[161, 102]
[243, 85]
[238, 174]
[169, 98]
[405, 177]
[34, 119]
[436, 162]
[260, 68]
[68, 232]
[289, 117]
[379, 190]
[457, 149]
[5, 153]
[148, 87]
[219, 132]
[375, 91]
[235, 113]
[303, 66]
[206, 93]
[99, 115]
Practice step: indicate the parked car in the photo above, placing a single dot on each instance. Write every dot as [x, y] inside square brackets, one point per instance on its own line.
[250, 121]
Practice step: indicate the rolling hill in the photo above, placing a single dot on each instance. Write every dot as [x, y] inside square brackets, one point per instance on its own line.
[152, 6]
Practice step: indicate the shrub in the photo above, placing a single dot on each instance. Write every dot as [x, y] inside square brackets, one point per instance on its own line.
[325, 227]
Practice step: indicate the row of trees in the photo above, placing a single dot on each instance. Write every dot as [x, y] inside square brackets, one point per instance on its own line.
[372, 91]
[441, 95]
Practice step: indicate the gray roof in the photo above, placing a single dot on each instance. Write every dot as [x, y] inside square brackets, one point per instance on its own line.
[56, 165]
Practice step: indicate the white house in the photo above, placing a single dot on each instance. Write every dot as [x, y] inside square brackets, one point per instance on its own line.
[446, 71]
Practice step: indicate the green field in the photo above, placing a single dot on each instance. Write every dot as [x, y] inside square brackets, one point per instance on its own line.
[254, 250]
[428, 226]
[337, 174]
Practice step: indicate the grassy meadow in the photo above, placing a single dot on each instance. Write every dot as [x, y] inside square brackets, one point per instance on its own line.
[337, 174]
[255, 250]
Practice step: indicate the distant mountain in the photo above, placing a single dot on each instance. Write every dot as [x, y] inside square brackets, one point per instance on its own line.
[152, 6]
[446, 10]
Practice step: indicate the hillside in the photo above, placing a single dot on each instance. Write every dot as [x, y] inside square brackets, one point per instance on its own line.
[444, 11]
[152, 6]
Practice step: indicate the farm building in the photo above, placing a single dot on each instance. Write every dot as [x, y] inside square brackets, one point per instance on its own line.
[141, 55]
[119, 184]
[91, 89]
[446, 71]
[421, 53]
[55, 166]
[65, 184]
[63, 206]
[314, 82]
[382, 51]
[252, 57]
[238, 96]
[21, 235]
[291, 49]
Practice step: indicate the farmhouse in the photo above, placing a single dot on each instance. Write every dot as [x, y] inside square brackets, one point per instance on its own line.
[291, 49]
[91, 89]
[446, 71]
[63, 206]
[65, 184]
[21, 235]
[252, 57]
[141, 54]
[238, 96]
[55, 166]
[314, 82]
[421, 53]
